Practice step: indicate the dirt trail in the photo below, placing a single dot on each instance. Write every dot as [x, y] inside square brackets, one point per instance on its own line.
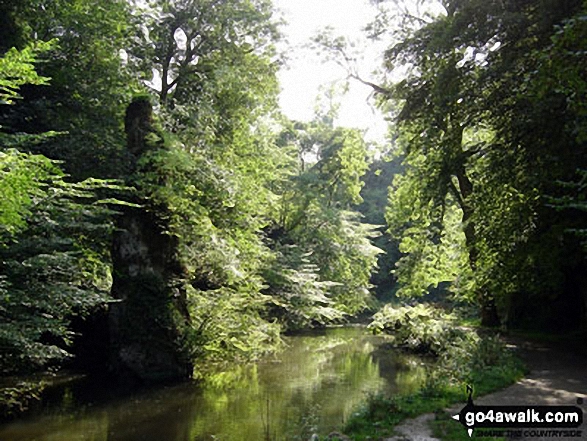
[557, 377]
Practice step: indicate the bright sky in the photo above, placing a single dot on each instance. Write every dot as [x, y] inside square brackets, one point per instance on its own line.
[305, 73]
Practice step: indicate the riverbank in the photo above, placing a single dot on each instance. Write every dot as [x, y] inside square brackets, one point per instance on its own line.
[556, 375]
[463, 356]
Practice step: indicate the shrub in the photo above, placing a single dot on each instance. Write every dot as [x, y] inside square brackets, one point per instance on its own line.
[421, 328]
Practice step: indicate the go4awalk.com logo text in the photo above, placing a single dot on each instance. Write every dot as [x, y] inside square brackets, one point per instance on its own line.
[521, 421]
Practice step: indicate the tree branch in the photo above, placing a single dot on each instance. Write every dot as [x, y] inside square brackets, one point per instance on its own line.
[378, 89]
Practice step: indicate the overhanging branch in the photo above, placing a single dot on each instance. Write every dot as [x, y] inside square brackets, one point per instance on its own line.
[378, 89]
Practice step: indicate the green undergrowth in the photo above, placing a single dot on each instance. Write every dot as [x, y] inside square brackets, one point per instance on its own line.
[463, 357]
[16, 399]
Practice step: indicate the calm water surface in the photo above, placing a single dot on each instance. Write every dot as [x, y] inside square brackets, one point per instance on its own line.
[314, 385]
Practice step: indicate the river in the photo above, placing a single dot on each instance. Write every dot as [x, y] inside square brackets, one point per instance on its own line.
[312, 386]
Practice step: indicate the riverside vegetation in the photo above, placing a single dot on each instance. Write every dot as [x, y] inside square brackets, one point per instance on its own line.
[267, 225]
[461, 357]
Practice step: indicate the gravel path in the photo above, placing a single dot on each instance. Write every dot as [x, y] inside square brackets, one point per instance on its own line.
[557, 377]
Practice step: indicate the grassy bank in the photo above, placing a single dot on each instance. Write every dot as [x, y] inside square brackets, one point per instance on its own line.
[463, 357]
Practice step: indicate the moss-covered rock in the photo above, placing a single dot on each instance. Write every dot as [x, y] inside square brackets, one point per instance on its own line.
[149, 316]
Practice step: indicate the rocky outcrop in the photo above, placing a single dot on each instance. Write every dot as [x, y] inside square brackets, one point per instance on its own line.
[148, 318]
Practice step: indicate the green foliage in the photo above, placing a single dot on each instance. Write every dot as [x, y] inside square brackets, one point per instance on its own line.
[221, 257]
[15, 400]
[463, 355]
[324, 257]
[575, 200]
[563, 62]
[539, 127]
[462, 358]
[213, 172]
[432, 204]
[210, 162]
[340, 248]
[229, 326]
[17, 69]
[216, 66]
[299, 299]
[81, 44]
[53, 267]
[432, 239]
[489, 119]
[20, 181]
[421, 328]
[374, 195]
[51, 243]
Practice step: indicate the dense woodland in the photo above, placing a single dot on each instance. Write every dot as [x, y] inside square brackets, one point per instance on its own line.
[271, 225]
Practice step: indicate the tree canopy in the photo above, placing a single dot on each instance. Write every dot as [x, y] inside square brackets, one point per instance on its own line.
[265, 234]
[489, 129]
[276, 224]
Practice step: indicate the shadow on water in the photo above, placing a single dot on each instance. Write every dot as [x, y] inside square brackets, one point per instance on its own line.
[313, 385]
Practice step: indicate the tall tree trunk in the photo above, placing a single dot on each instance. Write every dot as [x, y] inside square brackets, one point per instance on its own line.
[489, 315]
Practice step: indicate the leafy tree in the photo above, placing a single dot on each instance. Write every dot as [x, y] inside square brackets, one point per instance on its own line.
[545, 125]
[374, 194]
[53, 268]
[480, 126]
[89, 82]
[211, 177]
[17, 69]
[185, 40]
[325, 258]
[51, 243]
[433, 122]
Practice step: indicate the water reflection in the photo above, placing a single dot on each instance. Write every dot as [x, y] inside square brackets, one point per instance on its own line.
[313, 385]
